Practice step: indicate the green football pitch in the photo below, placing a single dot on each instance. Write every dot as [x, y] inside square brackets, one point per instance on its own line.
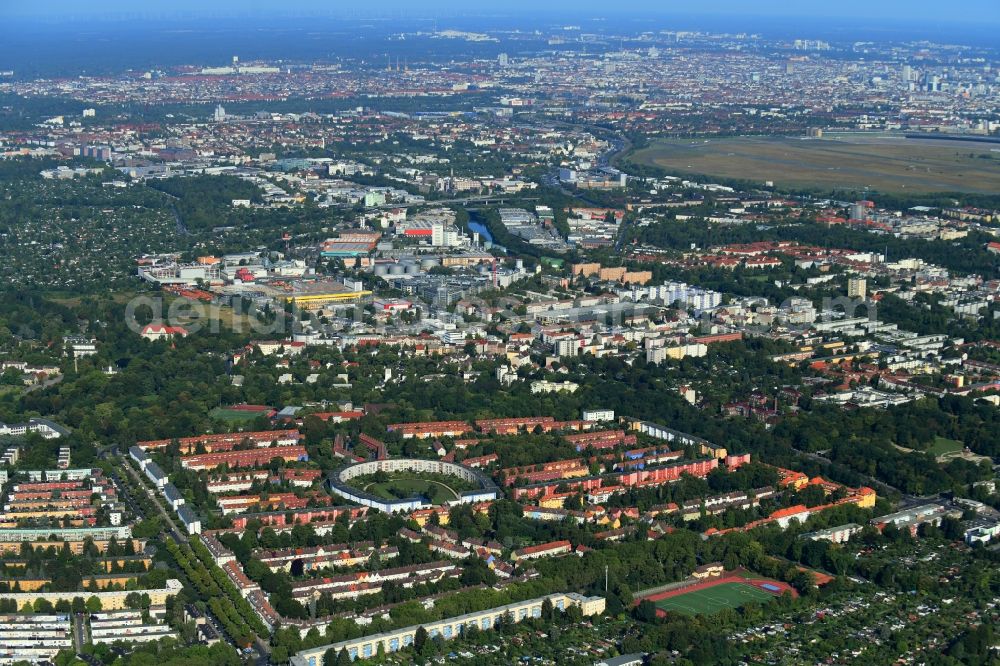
[234, 415]
[713, 599]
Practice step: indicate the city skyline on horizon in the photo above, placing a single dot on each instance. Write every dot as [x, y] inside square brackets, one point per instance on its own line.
[895, 11]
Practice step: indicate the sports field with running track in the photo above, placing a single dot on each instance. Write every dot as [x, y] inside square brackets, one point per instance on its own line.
[709, 596]
[713, 599]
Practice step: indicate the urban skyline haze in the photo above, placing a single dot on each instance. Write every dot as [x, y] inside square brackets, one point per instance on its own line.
[966, 11]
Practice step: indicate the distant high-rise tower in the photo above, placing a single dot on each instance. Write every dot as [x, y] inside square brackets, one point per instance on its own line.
[220, 114]
[859, 210]
[504, 60]
[857, 288]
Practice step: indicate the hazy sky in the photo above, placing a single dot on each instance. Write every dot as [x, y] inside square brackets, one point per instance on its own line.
[863, 11]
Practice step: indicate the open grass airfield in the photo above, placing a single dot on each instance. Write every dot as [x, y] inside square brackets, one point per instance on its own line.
[842, 162]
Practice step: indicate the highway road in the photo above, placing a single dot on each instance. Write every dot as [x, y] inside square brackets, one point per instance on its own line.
[79, 632]
[45, 384]
[178, 535]
[620, 145]
[261, 650]
[479, 199]
[906, 499]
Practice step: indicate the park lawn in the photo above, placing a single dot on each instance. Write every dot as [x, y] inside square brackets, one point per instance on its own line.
[233, 415]
[942, 446]
[403, 488]
[713, 599]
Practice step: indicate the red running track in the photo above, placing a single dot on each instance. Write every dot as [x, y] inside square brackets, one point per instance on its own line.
[759, 583]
